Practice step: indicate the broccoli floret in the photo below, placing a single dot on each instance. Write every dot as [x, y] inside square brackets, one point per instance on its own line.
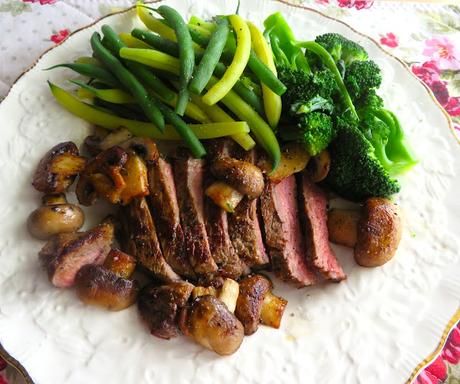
[368, 102]
[314, 130]
[355, 172]
[316, 103]
[361, 76]
[341, 48]
[303, 86]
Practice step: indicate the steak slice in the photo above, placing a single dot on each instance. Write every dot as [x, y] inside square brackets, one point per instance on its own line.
[283, 233]
[188, 174]
[140, 240]
[165, 212]
[244, 226]
[314, 210]
[64, 254]
[225, 256]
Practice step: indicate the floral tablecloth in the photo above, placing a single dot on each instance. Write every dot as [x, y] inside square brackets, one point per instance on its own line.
[426, 36]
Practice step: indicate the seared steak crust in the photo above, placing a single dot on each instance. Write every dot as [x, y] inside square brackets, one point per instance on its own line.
[165, 212]
[140, 240]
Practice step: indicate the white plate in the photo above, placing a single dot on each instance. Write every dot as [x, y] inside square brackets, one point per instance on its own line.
[374, 327]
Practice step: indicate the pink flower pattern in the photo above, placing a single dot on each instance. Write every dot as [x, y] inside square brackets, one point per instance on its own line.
[390, 40]
[443, 52]
[59, 36]
[358, 4]
[42, 2]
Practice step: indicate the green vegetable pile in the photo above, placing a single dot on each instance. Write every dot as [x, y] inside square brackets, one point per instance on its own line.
[208, 79]
[332, 102]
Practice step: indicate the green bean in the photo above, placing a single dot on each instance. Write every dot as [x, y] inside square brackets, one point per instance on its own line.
[210, 57]
[156, 41]
[128, 80]
[115, 43]
[171, 48]
[186, 52]
[91, 70]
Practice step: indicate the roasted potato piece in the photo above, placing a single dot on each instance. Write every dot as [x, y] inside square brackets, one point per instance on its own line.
[224, 195]
[272, 310]
[208, 321]
[256, 303]
[229, 294]
[58, 168]
[120, 263]
[64, 254]
[55, 216]
[379, 232]
[98, 286]
[319, 166]
[159, 307]
[342, 226]
[102, 177]
[294, 158]
[245, 177]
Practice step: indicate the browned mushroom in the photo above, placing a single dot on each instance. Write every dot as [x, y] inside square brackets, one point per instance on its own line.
[120, 263]
[58, 168]
[136, 179]
[143, 147]
[342, 225]
[159, 307]
[319, 166]
[103, 177]
[64, 254]
[55, 216]
[379, 232]
[96, 285]
[245, 177]
[114, 138]
[256, 302]
[294, 158]
[208, 321]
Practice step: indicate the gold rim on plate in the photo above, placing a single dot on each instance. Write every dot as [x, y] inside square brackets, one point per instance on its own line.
[16, 365]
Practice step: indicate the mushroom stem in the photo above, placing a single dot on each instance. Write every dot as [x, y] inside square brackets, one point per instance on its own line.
[229, 294]
[272, 310]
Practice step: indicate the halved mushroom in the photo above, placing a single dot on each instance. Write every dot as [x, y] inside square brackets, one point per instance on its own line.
[229, 294]
[224, 195]
[120, 263]
[102, 176]
[203, 291]
[136, 179]
[143, 147]
[294, 158]
[256, 302]
[96, 285]
[58, 168]
[342, 226]
[379, 232]
[319, 166]
[92, 144]
[208, 321]
[55, 216]
[64, 254]
[245, 177]
[159, 307]
[114, 138]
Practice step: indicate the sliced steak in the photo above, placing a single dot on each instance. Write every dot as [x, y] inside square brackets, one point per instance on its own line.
[140, 240]
[314, 211]
[64, 254]
[188, 174]
[165, 212]
[283, 233]
[244, 226]
[225, 256]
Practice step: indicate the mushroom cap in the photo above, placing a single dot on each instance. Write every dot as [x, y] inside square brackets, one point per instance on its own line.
[245, 177]
[58, 168]
[379, 232]
[209, 322]
[96, 285]
[50, 220]
[249, 304]
[120, 263]
[159, 307]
